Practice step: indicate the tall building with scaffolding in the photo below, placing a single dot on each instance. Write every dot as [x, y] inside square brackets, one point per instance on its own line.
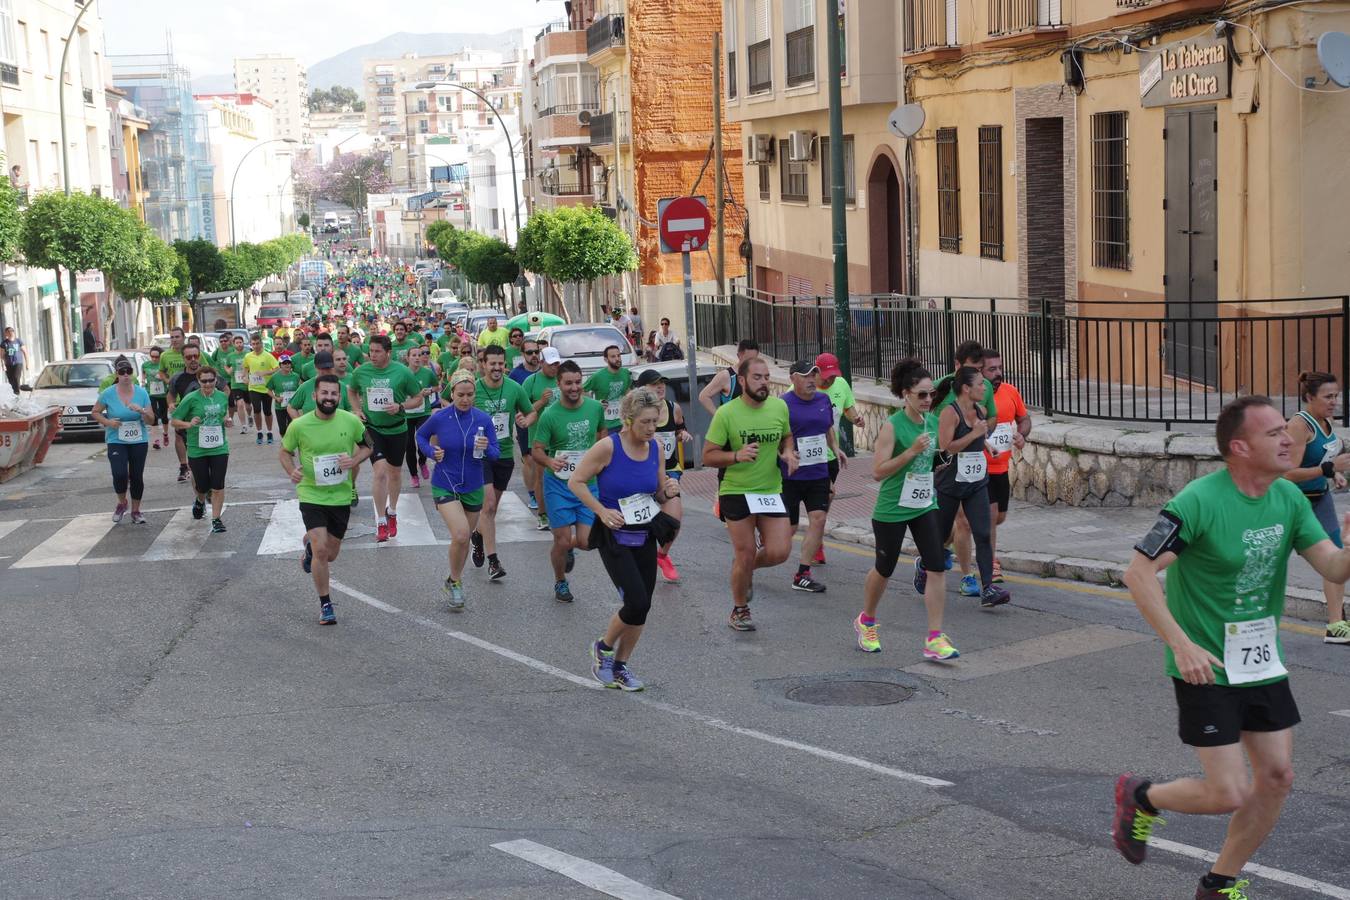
[175, 153]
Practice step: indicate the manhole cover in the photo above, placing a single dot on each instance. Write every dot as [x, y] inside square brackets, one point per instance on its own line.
[850, 693]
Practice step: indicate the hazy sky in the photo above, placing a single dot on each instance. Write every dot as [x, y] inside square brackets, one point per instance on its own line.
[208, 35]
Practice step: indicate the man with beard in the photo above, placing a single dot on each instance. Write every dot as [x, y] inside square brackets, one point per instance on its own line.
[183, 382]
[1012, 425]
[330, 443]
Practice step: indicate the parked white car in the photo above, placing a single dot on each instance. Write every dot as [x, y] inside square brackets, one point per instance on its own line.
[585, 342]
[72, 384]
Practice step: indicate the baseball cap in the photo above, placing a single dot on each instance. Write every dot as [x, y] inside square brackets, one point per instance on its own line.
[551, 356]
[828, 364]
[285, 357]
[802, 367]
[323, 360]
[650, 377]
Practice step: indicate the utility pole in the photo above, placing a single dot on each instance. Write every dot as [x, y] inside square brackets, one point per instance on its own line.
[839, 226]
[720, 245]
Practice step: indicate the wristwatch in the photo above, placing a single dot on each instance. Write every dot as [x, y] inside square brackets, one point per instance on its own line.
[1329, 469]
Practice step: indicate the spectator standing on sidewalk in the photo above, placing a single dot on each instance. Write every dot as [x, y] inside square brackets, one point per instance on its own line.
[1012, 424]
[16, 357]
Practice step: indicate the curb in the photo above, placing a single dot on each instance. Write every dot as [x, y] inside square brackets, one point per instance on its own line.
[1300, 603]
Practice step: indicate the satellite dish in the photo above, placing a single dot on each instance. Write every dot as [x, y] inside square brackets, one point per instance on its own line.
[1333, 52]
[905, 121]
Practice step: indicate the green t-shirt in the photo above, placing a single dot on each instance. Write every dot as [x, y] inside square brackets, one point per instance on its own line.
[907, 431]
[314, 437]
[427, 379]
[231, 364]
[303, 365]
[736, 424]
[561, 429]
[394, 384]
[609, 387]
[1235, 562]
[212, 411]
[258, 367]
[991, 408]
[513, 356]
[447, 361]
[500, 337]
[356, 354]
[283, 385]
[106, 382]
[171, 362]
[506, 400]
[534, 387]
[841, 398]
[153, 386]
[400, 349]
[304, 395]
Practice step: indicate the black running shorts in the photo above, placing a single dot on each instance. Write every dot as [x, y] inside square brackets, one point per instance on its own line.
[332, 519]
[1215, 715]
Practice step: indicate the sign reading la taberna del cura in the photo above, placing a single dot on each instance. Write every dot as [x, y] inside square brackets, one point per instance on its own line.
[1187, 71]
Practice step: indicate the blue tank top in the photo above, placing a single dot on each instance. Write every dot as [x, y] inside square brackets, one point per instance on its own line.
[1324, 447]
[625, 476]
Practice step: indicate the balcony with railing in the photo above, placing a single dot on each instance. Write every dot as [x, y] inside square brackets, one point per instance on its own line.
[1141, 11]
[1024, 21]
[609, 129]
[604, 36]
[556, 42]
[801, 56]
[929, 29]
[760, 58]
[9, 74]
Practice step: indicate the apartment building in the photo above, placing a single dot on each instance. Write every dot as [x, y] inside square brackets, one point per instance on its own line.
[252, 198]
[283, 82]
[564, 97]
[384, 80]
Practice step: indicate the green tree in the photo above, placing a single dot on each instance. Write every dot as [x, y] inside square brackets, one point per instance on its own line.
[490, 262]
[583, 245]
[302, 220]
[437, 232]
[11, 222]
[204, 262]
[532, 241]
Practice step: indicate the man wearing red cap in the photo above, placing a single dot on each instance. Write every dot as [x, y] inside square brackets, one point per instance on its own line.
[831, 380]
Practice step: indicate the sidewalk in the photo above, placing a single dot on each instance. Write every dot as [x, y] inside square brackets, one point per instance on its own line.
[1076, 543]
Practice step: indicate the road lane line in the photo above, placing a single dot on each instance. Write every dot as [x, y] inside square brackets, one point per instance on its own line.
[70, 544]
[1341, 712]
[1289, 878]
[1046, 648]
[7, 527]
[582, 871]
[710, 721]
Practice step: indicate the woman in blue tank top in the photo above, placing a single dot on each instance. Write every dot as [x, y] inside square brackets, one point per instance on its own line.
[1318, 473]
[629, 469]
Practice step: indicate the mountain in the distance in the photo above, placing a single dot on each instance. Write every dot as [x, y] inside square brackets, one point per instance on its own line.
[345, 68]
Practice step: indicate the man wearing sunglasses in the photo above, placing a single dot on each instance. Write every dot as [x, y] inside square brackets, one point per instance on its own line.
[201, 417]
[529, 364]
[180, 385]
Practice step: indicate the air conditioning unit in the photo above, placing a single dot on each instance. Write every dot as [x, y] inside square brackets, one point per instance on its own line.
[759, 149]
[801, 146]
[584, 117]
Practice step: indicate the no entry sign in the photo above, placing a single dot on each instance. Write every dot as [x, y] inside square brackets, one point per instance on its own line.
[683, 219]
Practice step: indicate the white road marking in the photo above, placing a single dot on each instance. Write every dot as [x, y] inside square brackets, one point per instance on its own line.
[119, 560]
[70, 544]
[285, 530]
[413, 528]
[582, 871]
[710, 721]
[1341, 712]
[1033, 652]
[516, 523]
[7, 527]
[1289, 878]
[182, 538]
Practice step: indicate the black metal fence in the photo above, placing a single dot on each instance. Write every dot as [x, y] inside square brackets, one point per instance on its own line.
[1136, 361]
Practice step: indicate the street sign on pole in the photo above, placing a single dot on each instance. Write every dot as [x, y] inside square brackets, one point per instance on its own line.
[683, 220]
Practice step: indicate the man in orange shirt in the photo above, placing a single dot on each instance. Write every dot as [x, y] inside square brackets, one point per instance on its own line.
[1009, 432]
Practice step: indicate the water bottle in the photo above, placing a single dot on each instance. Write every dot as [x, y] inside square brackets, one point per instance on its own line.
[478, 451]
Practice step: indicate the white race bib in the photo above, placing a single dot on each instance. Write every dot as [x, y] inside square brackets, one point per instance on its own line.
[1250, 652]
[639, 509]
[765, 503]
[838, 416]
[156, 387]
[501, 424]
[612, 413]
[1001, 440]
[381, 399]
[417, 410]
[569, 459]
[327, 472]
[239, 374]
[970, 467]
[917, 492]
[811, 450]
[131, 432]
[210, 436]
[286, 397]
[668, 441]
[256, 379]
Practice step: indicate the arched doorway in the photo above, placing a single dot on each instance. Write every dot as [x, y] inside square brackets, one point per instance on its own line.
[885, 225]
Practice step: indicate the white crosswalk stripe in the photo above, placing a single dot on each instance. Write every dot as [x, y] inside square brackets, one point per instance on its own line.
[516, 523]
[70, 544]
[183, 538]
[7, 527]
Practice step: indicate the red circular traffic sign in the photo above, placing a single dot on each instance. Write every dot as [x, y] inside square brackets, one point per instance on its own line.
[685, 219]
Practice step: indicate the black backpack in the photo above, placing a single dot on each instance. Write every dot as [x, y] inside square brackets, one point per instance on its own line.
[668, 352]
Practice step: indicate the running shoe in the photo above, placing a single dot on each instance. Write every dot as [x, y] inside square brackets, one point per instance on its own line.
[819, 558]
[416, 482]
[948, 558]
[624, 679]
[803, 581]
[668, 570]
[259, 441]
[571, 561]
[970, 586]
[543, 524]
[269, 438]
[920, 577]
[307, 558]
[994, 595]
[217, 526]
[717, 508]
[198, 508]
[426, 473]
[137, 518]
[381, 532]
[532, 502]
[393, 525]
[562, 592]
[939, 648]
[740, 619]
[1235, 891]
[155, 444]
[478, 556]
[182, 474]
[868, 642]
[1132, 826]
[119, 513]
[602, 664]
[998, 571]
[326, 616]
[495, 571]
[455, 591]
[1338, 633]
[355, 497]
[244, 429]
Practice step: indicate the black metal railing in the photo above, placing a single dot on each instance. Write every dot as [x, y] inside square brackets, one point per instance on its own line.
[9, 73]
[569, 109]
[602, 129]
[603, 34]
[555, 188]
[760, 58]
[1130, 361]
[88, 95]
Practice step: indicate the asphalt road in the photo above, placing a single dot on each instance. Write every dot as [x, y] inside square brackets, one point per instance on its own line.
[176, 724]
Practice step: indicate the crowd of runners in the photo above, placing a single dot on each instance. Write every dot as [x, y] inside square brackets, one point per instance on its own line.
[373, 379]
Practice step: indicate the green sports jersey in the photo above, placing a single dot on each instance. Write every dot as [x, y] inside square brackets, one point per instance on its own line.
[889, 507]
[399, 349]
[303, 365]
[990, 407]
[231, 365]
[427, 379]
[447, 361]
[171, 362]
[841, 398]
[106, 382]
[153, 386]
[324, 440]
[609, 387]
[212, 411]
[284, 386]
[258, 367]
[303, 399]
[1235, 563]
[535, 386]
[562, 429]
[356, 355]
[736, 424]
[387, 388]
[506, 400]
[513, 356]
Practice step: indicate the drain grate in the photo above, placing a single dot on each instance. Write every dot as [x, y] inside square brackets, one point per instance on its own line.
[850, 693]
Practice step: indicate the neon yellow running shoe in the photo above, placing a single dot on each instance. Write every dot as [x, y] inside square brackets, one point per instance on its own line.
[939, 648]
[868, 642]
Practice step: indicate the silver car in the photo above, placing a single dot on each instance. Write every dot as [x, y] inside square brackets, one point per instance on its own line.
[73, 385]
[586, 342]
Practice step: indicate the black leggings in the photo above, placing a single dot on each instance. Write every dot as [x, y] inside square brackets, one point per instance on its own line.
[633, 571]
[283, 419]
[890, 537]
[208, 472]
[128, 466]
[415, 454]
[976, 507]
[262, 406]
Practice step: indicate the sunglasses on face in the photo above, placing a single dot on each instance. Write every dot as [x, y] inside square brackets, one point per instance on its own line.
[123, 371]
[207, 381]
[923, 395]
[531, 352]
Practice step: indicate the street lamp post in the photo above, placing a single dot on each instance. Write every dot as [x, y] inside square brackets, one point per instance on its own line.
[234, 238]
[76, 342]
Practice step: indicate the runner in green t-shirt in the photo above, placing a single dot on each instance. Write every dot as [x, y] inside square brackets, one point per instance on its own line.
[505, 402]
[331, 443]
[159, 400]
[356, 353]
[609, 384]
[402, 343]
[968, 353]
[419, 363]
[541, 389]
[283, 385]
[230, 368]
[171, 361]
[747, 438]
[1224, 542]
[202, 414]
